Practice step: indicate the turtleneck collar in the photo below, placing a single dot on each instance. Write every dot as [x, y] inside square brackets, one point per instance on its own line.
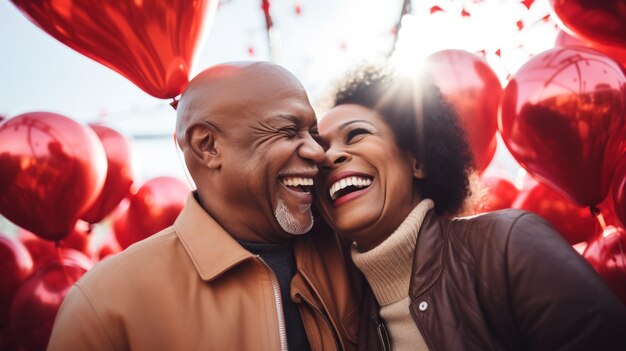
[387, 267]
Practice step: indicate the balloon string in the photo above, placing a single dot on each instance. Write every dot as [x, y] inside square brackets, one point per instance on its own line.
[174, 103]
[57, 249]
[596, 213]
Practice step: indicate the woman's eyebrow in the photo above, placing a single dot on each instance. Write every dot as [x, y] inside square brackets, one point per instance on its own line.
[343, 126]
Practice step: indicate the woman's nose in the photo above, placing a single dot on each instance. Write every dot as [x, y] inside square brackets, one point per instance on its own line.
[334, 157]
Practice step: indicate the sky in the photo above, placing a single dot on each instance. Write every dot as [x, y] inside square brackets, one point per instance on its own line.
[318, 41]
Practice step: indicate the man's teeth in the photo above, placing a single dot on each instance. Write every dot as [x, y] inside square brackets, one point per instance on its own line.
[297, 181]
[358, 182]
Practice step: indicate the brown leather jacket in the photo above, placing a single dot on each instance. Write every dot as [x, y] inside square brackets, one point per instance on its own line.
[193, 287]
[502, 281]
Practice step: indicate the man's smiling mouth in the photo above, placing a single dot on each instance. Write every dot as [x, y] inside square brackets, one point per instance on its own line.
[298, 184]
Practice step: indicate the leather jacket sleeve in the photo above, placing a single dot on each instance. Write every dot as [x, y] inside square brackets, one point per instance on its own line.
[78, 326]
[558, 300]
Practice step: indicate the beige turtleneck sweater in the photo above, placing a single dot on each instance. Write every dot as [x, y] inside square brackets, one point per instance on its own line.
[387, 268]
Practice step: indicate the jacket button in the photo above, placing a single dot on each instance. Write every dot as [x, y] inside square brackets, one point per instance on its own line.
[423, 306]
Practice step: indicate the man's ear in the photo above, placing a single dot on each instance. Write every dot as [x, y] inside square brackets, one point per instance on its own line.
[202, 142]
[418, 172]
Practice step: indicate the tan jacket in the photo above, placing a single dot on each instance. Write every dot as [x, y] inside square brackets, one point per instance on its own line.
[193, 287]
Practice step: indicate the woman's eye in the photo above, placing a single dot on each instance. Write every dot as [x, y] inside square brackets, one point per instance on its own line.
[357, 132]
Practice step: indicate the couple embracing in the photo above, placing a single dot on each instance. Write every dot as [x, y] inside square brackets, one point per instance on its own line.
[340, 235]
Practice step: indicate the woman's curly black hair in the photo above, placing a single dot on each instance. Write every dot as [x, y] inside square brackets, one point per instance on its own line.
[434, 135]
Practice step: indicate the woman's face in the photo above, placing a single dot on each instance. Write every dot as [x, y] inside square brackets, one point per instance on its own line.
[365, 188]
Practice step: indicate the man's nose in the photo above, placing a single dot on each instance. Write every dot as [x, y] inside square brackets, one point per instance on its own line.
[311, 150]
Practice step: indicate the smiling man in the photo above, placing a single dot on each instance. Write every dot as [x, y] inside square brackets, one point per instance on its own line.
[235, 271]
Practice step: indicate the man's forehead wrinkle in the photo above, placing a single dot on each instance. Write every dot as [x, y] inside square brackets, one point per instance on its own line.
[220, 92]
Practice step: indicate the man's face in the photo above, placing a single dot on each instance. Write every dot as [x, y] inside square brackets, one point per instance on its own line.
[269, 158]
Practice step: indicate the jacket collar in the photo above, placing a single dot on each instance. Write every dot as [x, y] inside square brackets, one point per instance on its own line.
[211, 249]
[428, 259]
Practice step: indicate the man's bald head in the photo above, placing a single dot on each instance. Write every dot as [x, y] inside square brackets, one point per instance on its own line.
[224, 87]
[246, 132]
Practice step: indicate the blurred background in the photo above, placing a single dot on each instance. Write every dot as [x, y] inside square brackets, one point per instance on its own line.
[318, 40]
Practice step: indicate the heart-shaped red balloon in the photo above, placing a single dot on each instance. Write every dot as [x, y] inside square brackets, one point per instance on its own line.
[155, 207]
[121, 173]
[473, 89]
[601, 21]
[153, 43]
[618, 190]
[565, 40]
[38, 300]
[563, 118]
[607, 254]
[15, 266]
[499, 193]
[52, 168]
[575, 223]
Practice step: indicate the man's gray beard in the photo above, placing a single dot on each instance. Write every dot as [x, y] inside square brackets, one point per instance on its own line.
[289, 223]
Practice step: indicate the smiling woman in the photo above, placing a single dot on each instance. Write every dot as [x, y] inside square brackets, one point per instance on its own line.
[374, 134]
[395, 173]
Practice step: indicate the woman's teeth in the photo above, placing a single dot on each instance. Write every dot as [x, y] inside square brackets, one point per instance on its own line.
[356, 182]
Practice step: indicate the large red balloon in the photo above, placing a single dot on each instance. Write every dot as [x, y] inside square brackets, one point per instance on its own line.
[120, 173]
[473, 89]
[601, 21]
[500, 193]
[15, 266]
[51, 170]
[37, 302]
[153, 43]
[155, 207]
[607, 254]
[618, 190]
[563, 118]
[574, 222]
[565, 40]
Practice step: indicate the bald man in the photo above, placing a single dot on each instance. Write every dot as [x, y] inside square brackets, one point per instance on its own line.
[235, 271]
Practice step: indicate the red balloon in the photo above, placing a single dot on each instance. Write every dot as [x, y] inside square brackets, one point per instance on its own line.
[120, 224]
[37, 302]
[607, 254]
[574, 222]
[155, 207]
[7, 341]
[109, 247]
[618, 190]
[500, 193]
[597, 21]
[120, 173]
[473, 89]
[563, 118]
[15, 266]
[565, 40]
[42, 251]
[51, 170]
[153, 43]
